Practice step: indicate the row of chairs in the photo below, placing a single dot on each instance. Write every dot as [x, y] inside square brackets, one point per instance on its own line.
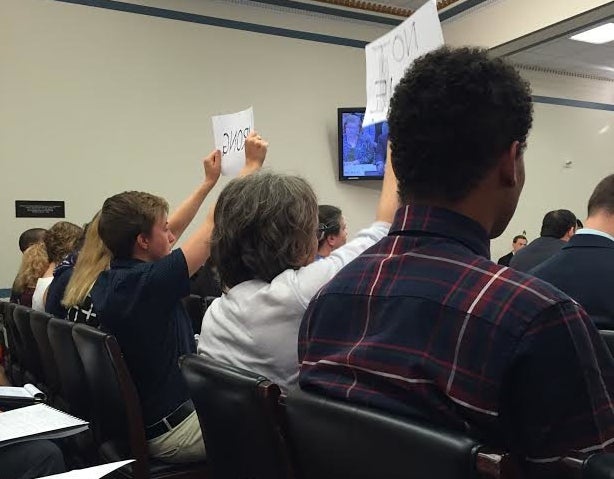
[250, 429]
[93, 383]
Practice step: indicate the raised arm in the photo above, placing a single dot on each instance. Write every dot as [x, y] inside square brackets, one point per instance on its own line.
[197, 248]
[389, 197]
[179, 220]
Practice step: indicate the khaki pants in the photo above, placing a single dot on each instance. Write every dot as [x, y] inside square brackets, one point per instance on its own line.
[184, 443]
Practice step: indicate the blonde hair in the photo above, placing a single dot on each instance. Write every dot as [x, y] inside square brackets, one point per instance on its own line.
[93, 258]
[34, 263]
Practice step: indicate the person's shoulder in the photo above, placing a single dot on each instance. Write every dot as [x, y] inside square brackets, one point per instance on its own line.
[526, 287]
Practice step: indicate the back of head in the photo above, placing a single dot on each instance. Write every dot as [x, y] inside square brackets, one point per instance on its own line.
[602, 199]
[454, 113]
[126, 215]
[31, 236]
[265, 223]
[61, 239]
[34, 263]
[329, 220]
[558, 222]
[94, 258]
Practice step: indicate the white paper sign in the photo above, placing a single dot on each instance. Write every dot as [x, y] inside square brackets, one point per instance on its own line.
[95, 472]
[389, 56]
[229, 133]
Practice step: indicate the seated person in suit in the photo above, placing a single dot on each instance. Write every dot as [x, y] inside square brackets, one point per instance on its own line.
[519, 242]
[62, 238]
[264, 244]
[333, 230]
[29, 237]
[584, 268]
[139, 301]
[557, 227]
[34, 263]
[74, 302]
[423, 323]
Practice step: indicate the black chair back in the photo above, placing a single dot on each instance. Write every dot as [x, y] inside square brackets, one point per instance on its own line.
[603, 322]
[74, 388]
[16, 366]
[195, 307]
[39, 323]
[28, 351]
[608, 339]
[238, 413]
[331, 439]
[117, 410]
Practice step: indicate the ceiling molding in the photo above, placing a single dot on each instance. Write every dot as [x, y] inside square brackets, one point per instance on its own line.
[561, 72]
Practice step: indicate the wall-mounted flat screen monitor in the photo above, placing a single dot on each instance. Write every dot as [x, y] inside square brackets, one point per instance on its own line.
[362, 151]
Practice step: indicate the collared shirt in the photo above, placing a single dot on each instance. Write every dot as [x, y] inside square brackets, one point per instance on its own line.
[590, 231]
[139, 303]
[424, 323]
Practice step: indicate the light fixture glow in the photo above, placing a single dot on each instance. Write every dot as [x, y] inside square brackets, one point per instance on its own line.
[597, 35]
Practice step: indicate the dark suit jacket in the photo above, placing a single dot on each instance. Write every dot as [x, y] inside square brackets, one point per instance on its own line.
[505, 260]
[584, 269]
[536, 252]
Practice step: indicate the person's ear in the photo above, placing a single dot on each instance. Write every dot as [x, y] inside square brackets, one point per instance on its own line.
[142, 241]
[510, 164]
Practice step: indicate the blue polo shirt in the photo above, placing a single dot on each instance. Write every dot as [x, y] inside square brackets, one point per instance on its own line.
[139, 303]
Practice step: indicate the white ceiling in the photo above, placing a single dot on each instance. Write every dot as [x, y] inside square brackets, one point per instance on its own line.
[571, 56]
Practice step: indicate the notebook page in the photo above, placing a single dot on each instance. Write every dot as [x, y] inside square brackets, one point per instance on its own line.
[15, 392]
[31, 420]
[95, 472]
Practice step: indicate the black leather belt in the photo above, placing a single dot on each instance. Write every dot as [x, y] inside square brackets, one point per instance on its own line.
[169, 422]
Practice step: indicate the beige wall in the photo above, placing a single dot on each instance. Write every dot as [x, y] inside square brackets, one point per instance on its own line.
[94, 102]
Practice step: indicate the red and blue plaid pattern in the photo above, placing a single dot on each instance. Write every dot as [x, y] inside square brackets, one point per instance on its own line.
[423, 323]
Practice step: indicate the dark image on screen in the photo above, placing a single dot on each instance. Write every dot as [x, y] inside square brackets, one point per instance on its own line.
[362, 151]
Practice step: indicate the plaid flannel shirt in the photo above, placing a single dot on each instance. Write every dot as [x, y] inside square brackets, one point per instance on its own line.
[423, 323]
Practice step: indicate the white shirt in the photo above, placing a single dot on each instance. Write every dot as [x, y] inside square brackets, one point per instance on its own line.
[255, 325]
[42, 284]
[590, 231]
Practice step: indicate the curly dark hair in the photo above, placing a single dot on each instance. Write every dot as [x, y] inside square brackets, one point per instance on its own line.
[452, 115]
[265, 223]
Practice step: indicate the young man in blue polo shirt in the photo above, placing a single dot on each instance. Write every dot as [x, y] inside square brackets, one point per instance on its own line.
[138, 301]
[423, 322]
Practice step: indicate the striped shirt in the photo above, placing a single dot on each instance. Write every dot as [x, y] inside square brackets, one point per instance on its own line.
[423, 323]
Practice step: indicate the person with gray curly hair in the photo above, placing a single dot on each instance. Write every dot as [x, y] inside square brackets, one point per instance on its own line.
[264, 244]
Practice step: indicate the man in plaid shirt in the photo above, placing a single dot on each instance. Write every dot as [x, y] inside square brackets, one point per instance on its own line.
[423, 323]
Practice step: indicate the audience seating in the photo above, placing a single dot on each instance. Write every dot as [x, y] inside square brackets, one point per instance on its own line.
[73, 383]
[239, 415]
[195, 307]
[28, 349]
[15, 366]
[608, 338]
[603, 322]
[39, 322]
[117, 411]
[332, 439]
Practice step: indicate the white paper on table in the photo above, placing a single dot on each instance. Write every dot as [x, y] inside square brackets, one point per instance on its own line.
[95, 472]
[388, 57]
[229, 133]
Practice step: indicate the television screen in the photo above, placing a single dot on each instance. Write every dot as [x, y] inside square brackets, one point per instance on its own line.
[362, 151]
